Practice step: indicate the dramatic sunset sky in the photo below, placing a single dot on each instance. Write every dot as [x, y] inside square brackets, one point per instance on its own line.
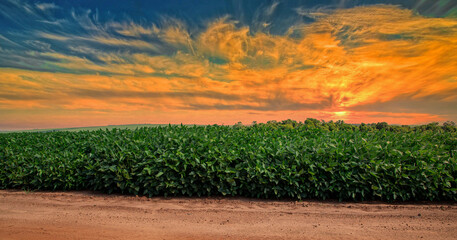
[89, 63]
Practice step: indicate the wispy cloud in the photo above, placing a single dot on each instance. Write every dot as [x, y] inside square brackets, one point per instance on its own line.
[346, 63]
[46, 6]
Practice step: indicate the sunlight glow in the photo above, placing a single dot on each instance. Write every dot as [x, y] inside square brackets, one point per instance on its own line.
[364, 63]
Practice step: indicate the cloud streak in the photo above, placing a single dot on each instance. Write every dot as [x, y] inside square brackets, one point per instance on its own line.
[344, 62]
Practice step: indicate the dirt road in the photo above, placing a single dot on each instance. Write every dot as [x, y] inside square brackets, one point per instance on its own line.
[85, 215]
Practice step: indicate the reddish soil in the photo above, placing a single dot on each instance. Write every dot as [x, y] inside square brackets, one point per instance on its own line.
[86, 215]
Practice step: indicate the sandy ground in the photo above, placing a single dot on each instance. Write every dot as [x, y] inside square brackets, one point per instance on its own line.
[86, 215]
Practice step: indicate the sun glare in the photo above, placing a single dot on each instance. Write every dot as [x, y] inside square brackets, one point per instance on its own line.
[341, 114]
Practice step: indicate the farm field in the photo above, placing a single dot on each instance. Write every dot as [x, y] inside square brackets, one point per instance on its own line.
[285, 160]
[279, 180]
[229, 119]
[93, 128]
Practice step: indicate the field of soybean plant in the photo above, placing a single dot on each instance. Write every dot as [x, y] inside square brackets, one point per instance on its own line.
[275, 160]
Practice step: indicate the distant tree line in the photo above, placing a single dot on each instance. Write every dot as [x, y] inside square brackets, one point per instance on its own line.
[311, 123]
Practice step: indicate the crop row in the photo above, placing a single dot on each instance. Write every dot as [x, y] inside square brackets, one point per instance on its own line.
[257, 161]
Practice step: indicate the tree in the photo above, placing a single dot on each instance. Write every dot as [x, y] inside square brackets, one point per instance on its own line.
[449, 123]
[449, 126]
[382, 125]
[432, 126]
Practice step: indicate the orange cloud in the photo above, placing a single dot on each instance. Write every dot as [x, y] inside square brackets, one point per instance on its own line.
[326, 69]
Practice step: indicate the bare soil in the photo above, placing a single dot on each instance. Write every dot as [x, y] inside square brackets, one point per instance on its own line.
[87, 215]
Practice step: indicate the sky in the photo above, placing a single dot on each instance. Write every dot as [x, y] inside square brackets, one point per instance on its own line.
[93, 63]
